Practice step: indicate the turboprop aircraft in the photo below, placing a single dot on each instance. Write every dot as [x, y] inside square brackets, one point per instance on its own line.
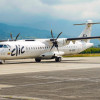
[40, 49]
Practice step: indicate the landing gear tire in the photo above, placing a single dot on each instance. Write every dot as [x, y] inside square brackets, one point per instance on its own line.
[2, 61]
[37, 59]
[58, 59]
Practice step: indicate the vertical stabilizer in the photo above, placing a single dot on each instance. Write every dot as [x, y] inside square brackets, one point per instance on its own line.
[87, 31]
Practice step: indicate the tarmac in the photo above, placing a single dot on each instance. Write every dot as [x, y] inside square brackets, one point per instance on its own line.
[76, 78]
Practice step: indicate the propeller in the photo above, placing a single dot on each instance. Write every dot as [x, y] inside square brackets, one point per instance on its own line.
[54, 41]
[15, 38]
[11, 36]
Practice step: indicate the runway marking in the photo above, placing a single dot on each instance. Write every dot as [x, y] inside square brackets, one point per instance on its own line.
[5, 86]
[19, 97]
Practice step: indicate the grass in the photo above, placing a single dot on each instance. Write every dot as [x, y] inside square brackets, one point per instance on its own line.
[84, 55]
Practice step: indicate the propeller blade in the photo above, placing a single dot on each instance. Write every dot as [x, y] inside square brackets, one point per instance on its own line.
[54, 41]
[56, 45]
[57, 49]
[11, 36]
[17, 36]
[52, 47]
[52, 34]
[58, 35]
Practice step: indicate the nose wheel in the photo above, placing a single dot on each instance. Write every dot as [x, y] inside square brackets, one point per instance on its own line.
[2, 61]
[58, 59]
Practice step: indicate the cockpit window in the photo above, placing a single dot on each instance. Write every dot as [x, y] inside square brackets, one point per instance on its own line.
[4, 46]
[1, 45]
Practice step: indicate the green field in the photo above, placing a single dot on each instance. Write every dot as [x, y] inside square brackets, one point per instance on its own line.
[91, 52]
[83, 55]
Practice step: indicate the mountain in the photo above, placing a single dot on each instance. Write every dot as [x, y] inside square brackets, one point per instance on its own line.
[25, 32]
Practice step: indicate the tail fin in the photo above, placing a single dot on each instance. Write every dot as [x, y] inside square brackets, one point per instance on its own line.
[87, 31]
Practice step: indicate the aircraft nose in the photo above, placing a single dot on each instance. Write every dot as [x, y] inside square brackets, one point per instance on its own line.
[1, 52]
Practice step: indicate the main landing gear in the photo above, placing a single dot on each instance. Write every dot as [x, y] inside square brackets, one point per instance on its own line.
[58, 59]
[37, 59]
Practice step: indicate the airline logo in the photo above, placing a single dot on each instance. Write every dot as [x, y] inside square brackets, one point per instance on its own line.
[17, 50]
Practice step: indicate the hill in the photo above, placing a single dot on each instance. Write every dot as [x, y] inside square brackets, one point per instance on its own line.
[26, 32]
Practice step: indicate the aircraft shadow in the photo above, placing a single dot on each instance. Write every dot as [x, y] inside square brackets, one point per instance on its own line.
[79, 61]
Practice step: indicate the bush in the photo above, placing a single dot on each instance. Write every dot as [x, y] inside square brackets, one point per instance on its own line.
[91, 50]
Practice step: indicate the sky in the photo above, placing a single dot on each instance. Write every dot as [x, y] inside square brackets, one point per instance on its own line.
[25, 11]
[58, 15]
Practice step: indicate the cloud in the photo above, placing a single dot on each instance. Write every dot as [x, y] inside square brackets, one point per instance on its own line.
[56, 2]
[78, 11]
[21, 10]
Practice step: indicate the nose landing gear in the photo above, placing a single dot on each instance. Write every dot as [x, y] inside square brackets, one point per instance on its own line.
[2, 61]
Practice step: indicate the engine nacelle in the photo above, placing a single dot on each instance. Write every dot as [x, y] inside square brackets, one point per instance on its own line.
[61, 42]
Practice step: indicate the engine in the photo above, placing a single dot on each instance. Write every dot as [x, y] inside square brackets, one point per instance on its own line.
[61, 42]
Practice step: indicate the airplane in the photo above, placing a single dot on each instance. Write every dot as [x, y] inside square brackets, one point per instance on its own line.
[53, 48]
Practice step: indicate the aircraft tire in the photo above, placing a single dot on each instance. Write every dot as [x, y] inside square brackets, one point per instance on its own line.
[37, 59]
[2, 61]
[58, 59]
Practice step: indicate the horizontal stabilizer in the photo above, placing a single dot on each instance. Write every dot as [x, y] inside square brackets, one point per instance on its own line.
[86, 23]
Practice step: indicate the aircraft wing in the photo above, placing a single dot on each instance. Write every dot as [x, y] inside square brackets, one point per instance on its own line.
[67, 40]
[83, 38]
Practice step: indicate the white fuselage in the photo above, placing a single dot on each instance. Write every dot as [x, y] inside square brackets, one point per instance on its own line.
[22, 49]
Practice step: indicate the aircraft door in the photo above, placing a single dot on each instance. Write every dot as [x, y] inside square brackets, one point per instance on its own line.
[4, 51]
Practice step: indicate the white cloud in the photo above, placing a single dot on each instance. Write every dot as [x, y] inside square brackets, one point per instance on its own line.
[86, 10]
[60, 9]
[56, 2]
